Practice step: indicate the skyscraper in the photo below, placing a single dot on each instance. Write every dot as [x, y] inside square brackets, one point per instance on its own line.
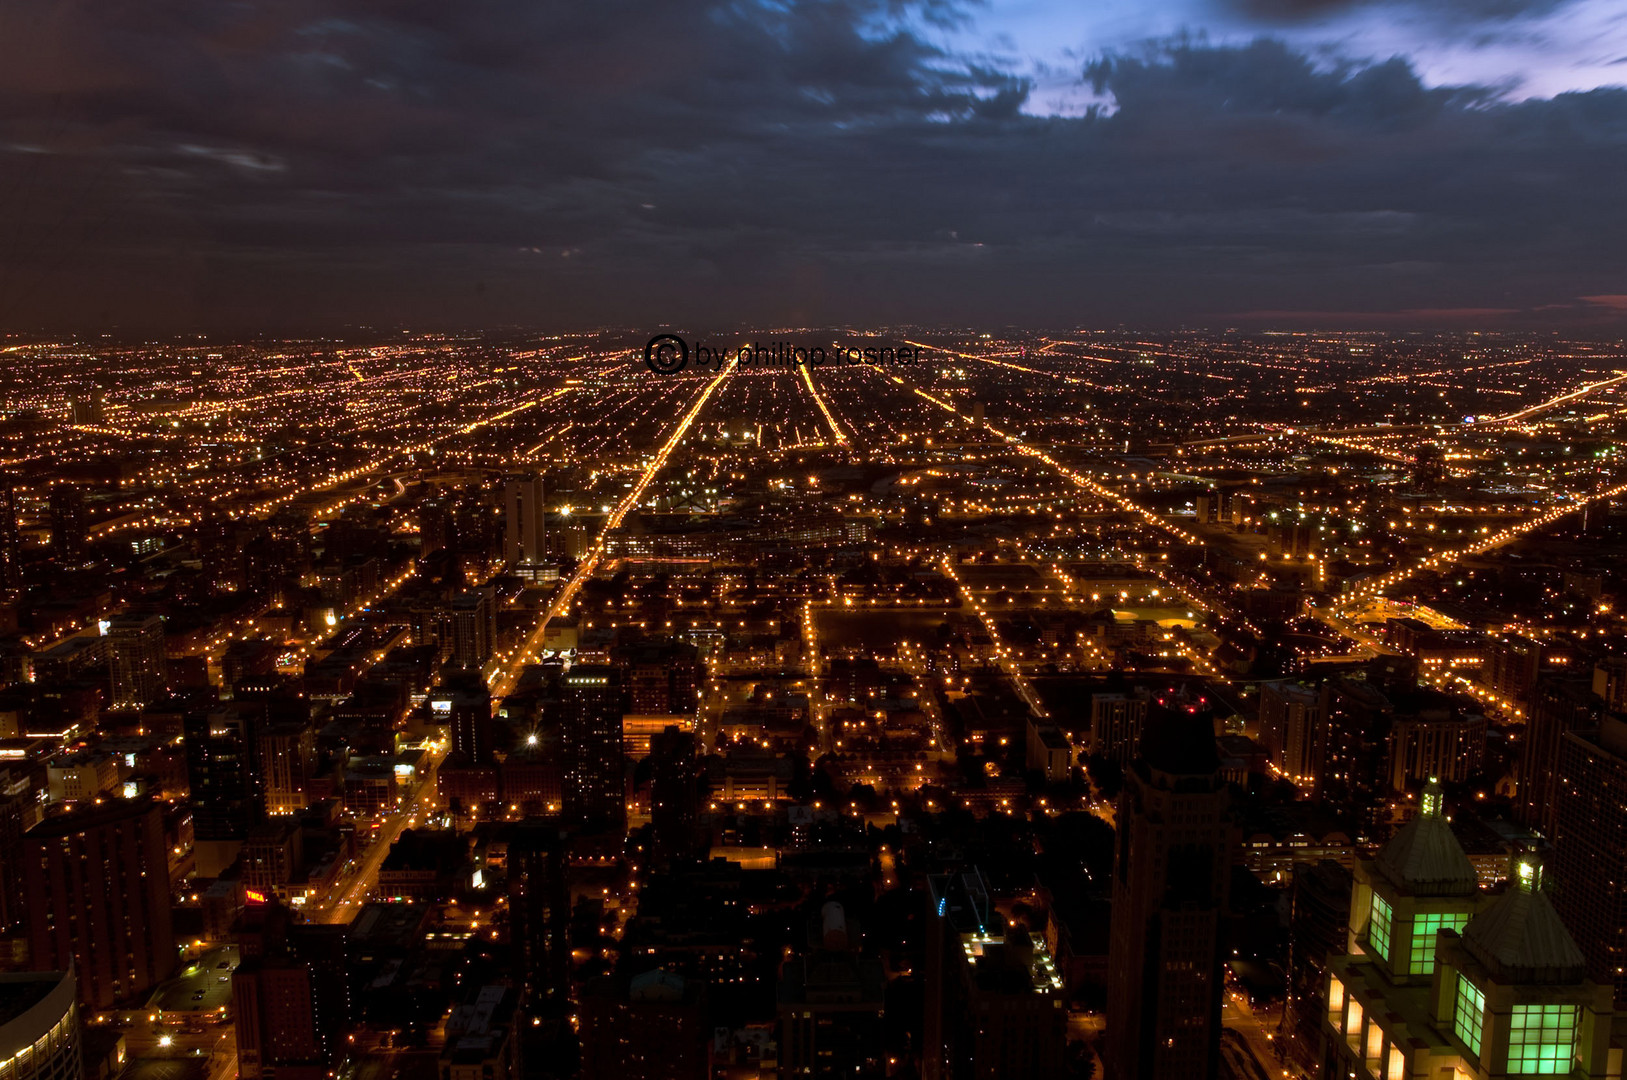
[473, 628]
[1318, 923]
[539, 910]
[137, 670]
[1354, 765]
[674, 792]
[1171, 879]
[652, 1026]
[831, 1003]
[287, 760]
[1589, 861]
[1511, 668]
[1449, 983]
[993, 1001]
[69, 522]
[435, 526]
[1291, 728]
[1558, 707]
[40, 1035]
[590, 706]
[471, 723]
[525, 542]
[98, 900]
[1115, 724]
[290, 996]
[11, 552]
[1610, 682]
[223, 769]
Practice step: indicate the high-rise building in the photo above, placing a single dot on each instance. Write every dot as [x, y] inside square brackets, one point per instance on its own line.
[290, 995]
[539, 910]
[1115, 724]
[661, 678]
[1291, 728]
[831, 1003]
[435, 526]
[1558, 707]
[11, 545]
[1443, 982]
[137, 670]
[1317, 925]
[471, 723]
[287, 761]
[1589, 861]
[40, 1036]
[474, 628]
[993, 998]
[223, 768]
[1437, 740]
[1355, 759]
[589, 705]
[1171, 881]
[674, 793]
[273, 854]
[70, 523]
[98, 900]
[20, 810]
[89, 409]
[525, 543]
[652, 1026]
[1610, 682]
[1512, 665]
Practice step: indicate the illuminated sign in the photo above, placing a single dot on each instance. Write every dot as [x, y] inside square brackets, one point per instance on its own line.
[254, 896]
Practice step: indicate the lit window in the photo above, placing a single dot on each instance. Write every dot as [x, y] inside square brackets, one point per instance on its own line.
[1378, 926]
[1423, 939]
[1469, 1017]
[1542, 1039]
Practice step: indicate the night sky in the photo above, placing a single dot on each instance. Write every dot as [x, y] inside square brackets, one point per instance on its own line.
[236, 167]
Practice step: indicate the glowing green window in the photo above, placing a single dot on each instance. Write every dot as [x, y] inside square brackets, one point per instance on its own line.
[1542, 1039]
[1423, 938]
[1470, 1015]
[1378, 926]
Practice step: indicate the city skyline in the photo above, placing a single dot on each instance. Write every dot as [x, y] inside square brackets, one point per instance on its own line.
[813, 540]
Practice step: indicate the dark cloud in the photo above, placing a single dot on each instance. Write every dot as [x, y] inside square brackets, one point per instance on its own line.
[1443, 11]
[177, 163]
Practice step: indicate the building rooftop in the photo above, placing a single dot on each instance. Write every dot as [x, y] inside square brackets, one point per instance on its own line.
[19, 993]
[1425, 858]
[1521, 939]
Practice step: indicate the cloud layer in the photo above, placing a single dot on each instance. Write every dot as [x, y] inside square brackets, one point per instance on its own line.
[181, 165]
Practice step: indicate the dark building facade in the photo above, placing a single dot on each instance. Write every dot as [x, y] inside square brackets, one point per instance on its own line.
[98, 900]
[1171, 878]
[652, 1026]
[1589, 861]
[1558, 707]
[589, 706]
